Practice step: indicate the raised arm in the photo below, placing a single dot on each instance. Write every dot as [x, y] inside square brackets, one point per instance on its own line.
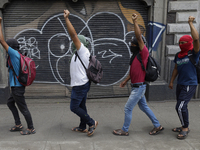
[2, 41]
[71, 30]
[138, 34]
[194, 34]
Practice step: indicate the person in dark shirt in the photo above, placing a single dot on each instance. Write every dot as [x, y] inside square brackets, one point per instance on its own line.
[187, 77]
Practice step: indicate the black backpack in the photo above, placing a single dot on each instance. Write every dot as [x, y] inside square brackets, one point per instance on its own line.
[197, 65]
[94, 71]
[152, 69]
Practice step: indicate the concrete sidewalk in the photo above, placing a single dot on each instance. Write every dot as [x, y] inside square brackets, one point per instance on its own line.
[53, 121]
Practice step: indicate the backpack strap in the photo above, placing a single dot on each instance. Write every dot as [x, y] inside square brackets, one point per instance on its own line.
[80, 59]
[191, 57]
[140, 60]
[11, 67]
[133, 56]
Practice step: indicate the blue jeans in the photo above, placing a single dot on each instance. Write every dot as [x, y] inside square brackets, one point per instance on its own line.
[137, 97]
[78, 104]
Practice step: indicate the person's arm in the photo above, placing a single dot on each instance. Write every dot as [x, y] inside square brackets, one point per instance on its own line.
[194, 34]
[2, 41]
[174, 74]
[138, 34]
[71, 30]
[125, 81]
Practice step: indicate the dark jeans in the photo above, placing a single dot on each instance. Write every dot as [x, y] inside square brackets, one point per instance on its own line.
[78, 104]
[184, 94]
[17, 96]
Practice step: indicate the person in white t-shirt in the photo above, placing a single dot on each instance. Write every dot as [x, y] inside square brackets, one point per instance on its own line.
[79, 80]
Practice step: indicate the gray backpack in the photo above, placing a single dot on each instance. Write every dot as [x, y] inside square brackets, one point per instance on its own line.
[94, 71]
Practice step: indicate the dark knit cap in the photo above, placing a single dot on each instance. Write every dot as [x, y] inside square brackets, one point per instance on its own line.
[134, 41]
[13, 44]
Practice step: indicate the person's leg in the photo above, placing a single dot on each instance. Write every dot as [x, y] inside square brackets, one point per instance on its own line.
[18, 95]
[77, 95]
[134, 97]
[178, 104]
[82, 124]
[184, 95]
[144, 107]
[13, 108]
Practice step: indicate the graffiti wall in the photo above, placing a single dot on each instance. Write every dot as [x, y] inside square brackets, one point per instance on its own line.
[40, 29]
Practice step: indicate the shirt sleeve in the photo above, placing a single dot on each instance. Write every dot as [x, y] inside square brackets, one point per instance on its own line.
[15, 59]
[82, 49]
[175, 59]
[196, 56]
[144, 53]
[12, 52]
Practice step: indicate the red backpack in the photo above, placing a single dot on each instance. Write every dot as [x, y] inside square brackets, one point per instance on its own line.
[27, 70]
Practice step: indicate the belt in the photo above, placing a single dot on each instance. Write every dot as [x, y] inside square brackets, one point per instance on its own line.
[137, 84]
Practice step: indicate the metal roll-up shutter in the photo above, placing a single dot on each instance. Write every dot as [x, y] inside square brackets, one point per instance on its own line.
[39, 27]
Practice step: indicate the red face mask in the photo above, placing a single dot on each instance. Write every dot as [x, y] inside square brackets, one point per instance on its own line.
[186, 46]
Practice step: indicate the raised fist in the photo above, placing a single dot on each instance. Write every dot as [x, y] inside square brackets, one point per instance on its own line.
[66, 13]
[191, 19]
[134, 17]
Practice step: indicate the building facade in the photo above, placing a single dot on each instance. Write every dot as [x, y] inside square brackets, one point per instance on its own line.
[39, 27]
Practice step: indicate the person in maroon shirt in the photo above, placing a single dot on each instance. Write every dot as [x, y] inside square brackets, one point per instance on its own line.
[137, 76]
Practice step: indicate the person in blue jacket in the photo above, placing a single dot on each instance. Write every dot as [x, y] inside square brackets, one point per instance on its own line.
[17, 90]
[187, 77]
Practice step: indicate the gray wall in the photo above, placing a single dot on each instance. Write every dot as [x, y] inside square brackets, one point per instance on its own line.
[4, 87]
[178, 13]
[172, 16]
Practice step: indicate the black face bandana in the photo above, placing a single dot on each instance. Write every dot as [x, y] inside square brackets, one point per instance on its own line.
[135, 50]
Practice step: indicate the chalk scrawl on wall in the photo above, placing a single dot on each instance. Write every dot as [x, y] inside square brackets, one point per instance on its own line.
[49, 44]
[112, 50]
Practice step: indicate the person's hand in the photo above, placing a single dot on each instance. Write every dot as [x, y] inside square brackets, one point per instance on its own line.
[134, 17]
[66, 13]
[122, 84]
[171, 85]
[191, 19]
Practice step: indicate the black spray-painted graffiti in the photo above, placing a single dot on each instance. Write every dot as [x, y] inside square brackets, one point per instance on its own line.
[109, 46]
